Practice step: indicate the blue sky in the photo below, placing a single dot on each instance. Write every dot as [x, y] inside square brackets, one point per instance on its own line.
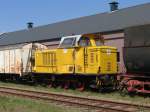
[14, 14]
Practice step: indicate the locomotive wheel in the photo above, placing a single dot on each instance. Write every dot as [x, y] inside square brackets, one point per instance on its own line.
[101, 90]
[81, 86]
[66, 85]
[50, 85]
[123, 91]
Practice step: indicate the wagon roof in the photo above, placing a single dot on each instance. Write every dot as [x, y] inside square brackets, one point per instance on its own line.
[103, 22]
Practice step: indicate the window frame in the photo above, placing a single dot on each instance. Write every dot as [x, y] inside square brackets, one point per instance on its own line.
[98, 39]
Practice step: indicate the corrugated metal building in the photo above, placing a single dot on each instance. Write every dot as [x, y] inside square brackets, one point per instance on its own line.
[110, 25]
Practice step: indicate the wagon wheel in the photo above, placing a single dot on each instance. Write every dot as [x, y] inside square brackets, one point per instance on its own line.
[123, 88]
[116, 85]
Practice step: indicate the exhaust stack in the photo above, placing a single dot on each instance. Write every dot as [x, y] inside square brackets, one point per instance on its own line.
[29, 25]
[113, 6]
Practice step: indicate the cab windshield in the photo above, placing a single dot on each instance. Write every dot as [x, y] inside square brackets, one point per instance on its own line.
[68, 42]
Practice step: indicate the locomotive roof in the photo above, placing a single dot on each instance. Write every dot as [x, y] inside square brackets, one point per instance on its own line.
[104, 22]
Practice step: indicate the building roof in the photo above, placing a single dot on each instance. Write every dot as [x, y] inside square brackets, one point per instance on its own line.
[111, 21]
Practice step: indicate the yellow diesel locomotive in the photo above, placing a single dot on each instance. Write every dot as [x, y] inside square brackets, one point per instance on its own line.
[80, 60]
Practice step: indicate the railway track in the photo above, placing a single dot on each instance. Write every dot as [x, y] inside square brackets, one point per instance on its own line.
[90, 104]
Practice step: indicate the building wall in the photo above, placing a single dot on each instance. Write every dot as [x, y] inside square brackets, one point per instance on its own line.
[51, 44]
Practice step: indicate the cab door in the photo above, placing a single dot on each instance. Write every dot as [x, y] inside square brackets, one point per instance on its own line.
[81, 56]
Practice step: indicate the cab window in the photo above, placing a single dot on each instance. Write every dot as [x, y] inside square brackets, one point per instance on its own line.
[98, 42]
[68, 42]
[84, 41]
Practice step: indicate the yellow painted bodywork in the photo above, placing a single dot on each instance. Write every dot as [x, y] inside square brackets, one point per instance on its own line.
[91, 60]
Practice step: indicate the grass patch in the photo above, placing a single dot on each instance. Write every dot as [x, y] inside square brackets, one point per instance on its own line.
[115, 96]
[15, 104]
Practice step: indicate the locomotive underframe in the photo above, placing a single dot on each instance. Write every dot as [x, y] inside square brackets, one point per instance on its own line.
[82, 81]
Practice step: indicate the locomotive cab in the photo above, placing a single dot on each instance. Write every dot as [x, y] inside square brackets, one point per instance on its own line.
[80, 41]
